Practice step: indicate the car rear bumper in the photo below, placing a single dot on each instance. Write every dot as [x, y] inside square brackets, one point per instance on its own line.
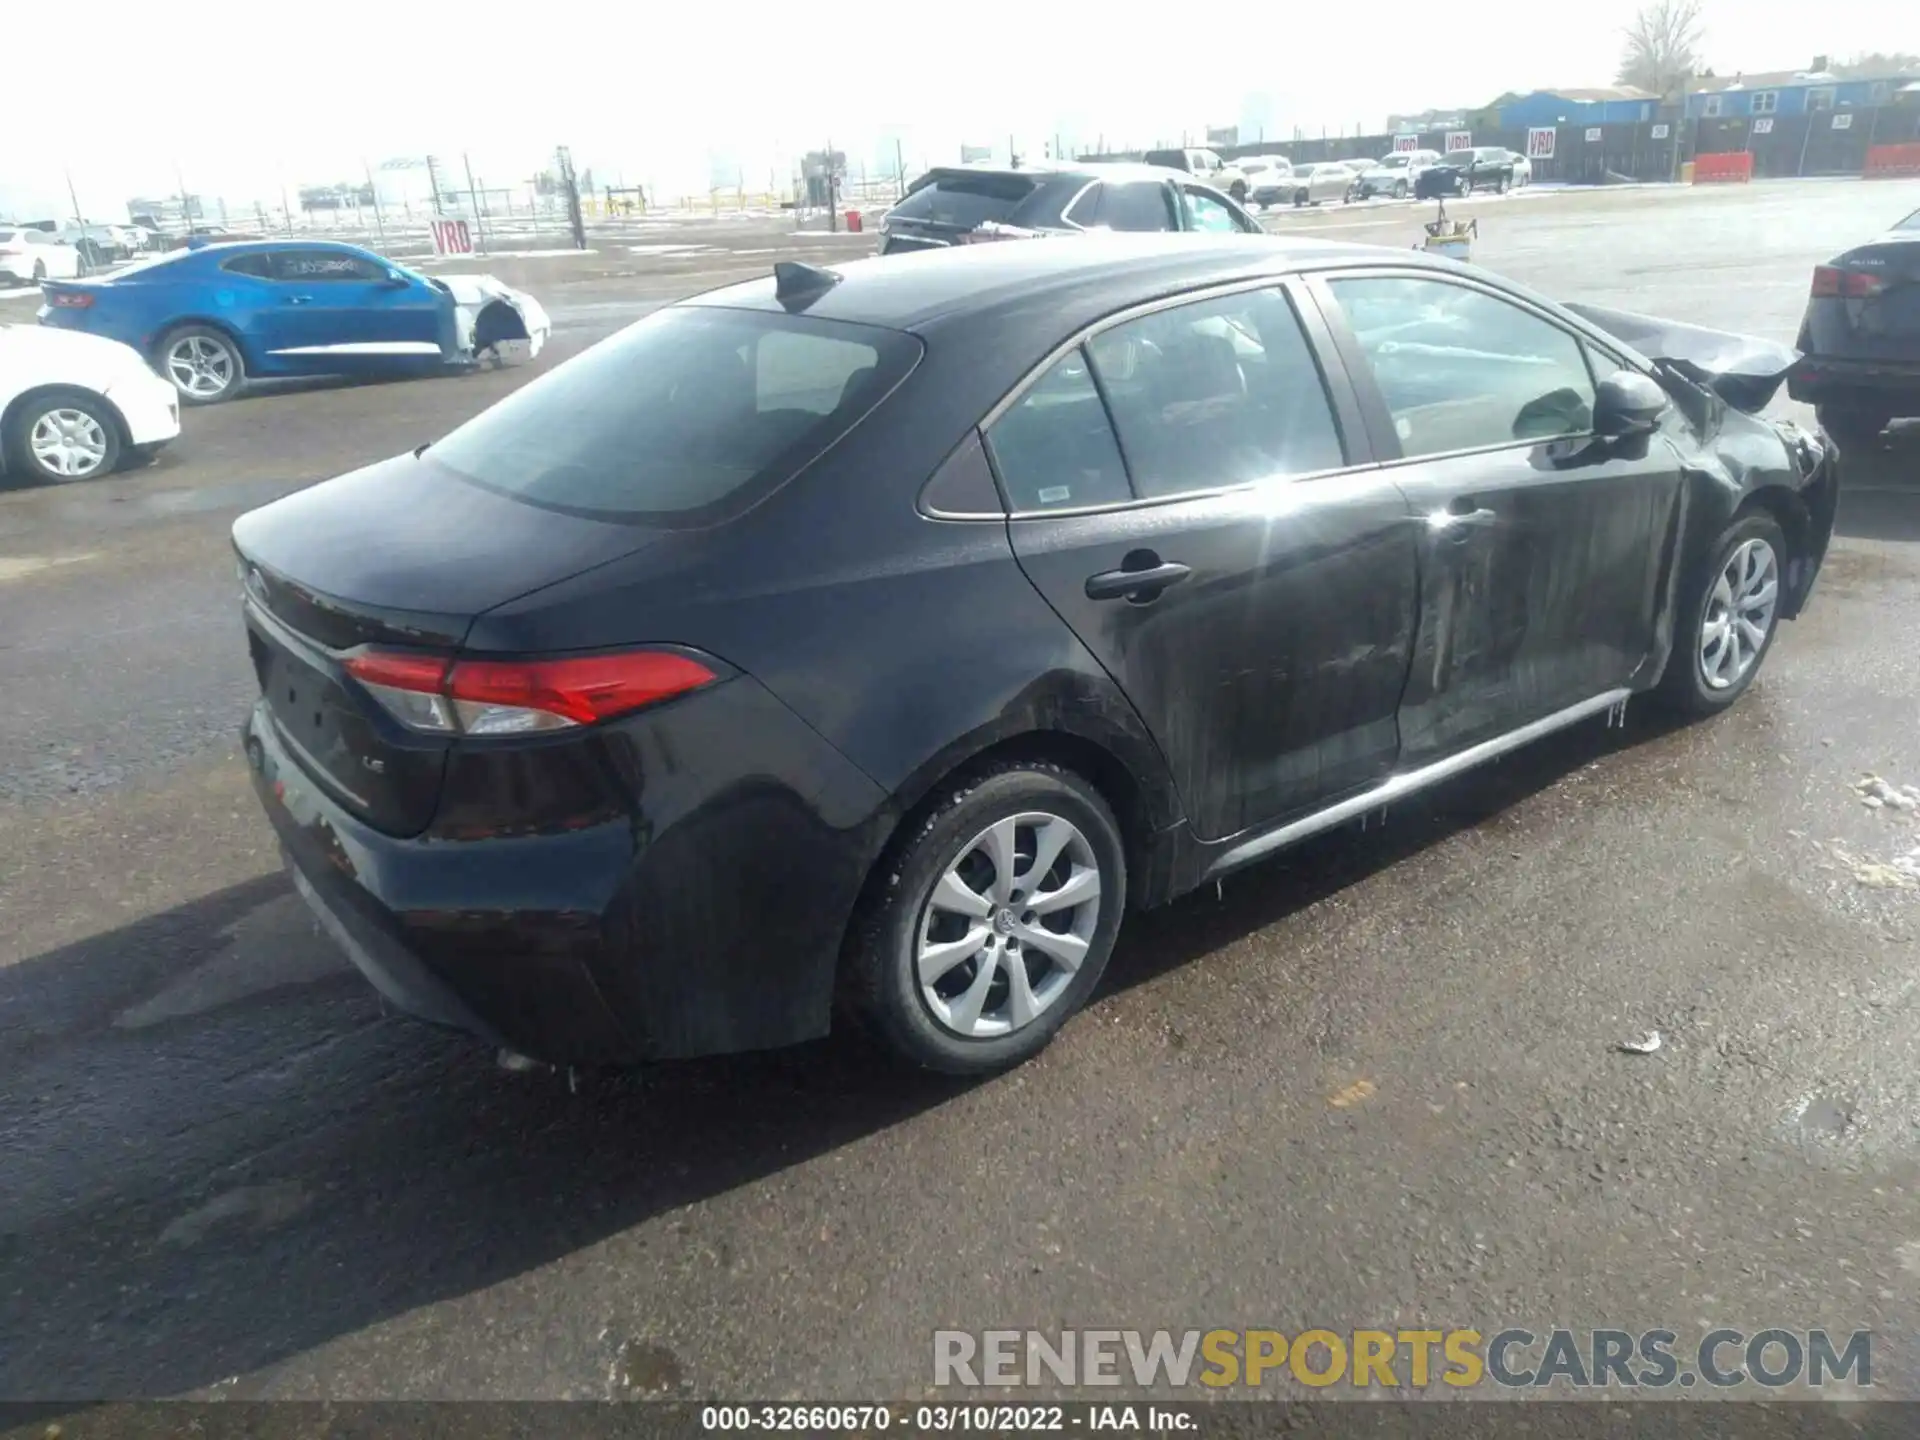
[1816, 379]
[702, 915]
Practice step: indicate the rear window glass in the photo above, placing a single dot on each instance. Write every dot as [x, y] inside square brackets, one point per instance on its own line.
[681, 418]
[967, 200]
[1912, 222]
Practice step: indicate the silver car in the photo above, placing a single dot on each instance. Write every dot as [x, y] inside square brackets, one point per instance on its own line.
[1317, 182]
[1396, 174]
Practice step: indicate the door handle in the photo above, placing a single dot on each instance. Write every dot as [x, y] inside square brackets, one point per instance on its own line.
[299, 299]
[1461, 516]
[1142, 583]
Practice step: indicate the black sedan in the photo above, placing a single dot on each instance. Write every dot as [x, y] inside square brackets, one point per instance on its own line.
[1861, 337]
[1461, 172]
[869, 642]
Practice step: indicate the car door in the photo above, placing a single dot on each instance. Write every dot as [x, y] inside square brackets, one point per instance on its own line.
[1181, 492]
[332, 304]
[1543, 548]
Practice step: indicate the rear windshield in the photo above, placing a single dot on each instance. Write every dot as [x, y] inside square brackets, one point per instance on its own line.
[682, 418]
[967, 200]
[1171, 159]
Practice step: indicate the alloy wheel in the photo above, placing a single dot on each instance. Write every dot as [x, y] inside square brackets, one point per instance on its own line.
[200, 366]
[1740, 614]
[68, 443]
[1008, 925]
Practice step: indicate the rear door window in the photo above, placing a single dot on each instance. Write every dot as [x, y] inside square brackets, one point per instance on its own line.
[1212, 214]
[258, 265]
[683, 418]
[1055, 449]
[1143, 205]
[1218, 393]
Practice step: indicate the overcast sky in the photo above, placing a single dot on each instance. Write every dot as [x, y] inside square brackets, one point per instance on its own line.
[241, 100]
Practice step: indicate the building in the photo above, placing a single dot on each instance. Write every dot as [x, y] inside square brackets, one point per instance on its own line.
[1788, 92]
[1606, 105]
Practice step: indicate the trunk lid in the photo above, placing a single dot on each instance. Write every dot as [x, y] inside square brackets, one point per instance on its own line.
[1881, 323]
[945, 206]
[402, 555]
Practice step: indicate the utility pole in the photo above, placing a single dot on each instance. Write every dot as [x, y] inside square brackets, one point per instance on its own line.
[379, 222]
[433, 183]
[473, 196]
[286, 209]
[74, 199]
[563, 161]
[833, 200]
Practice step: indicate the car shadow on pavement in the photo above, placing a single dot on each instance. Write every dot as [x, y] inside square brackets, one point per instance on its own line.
[202, 1182]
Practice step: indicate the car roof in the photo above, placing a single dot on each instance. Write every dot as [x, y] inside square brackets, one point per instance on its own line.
[1117, 171]
[1041, 290]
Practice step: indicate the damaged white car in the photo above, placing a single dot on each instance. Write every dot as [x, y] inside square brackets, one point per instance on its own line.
[215, 316]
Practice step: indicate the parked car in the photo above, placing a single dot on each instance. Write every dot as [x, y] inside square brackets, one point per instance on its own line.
[965, 205]
[632, 718]
[1395, 175]
[1461, 172]
[215, 316]
[29, 255]
[1262, 172]
[1206, 166]
[75, 407]
[1860, 338]
[1317, 182]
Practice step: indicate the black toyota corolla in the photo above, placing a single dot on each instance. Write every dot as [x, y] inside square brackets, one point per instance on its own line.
[869, 642]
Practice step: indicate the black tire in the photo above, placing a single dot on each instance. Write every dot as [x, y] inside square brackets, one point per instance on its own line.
[1399, 189]
[1684, 687]
[23, 464]
[1502, 185]
[1238, 192]
[39, 271]
[1853, 425]
[1299, 199]
[881, 960]
[209, 338]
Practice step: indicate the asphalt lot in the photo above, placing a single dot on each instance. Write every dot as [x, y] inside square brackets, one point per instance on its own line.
[1374, 1082]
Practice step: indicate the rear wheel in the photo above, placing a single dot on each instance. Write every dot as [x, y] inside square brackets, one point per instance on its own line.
[1399, 189]
[204, 364]
[1852, 423]
[1730, 619]
[63, 435]
[992, 925]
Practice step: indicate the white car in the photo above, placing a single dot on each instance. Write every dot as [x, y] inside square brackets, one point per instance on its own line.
[73, 406]
[30, 256]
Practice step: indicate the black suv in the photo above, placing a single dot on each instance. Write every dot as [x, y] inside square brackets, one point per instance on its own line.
[970, 203]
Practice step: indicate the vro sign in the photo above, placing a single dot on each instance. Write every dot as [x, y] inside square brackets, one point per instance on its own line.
[452, 237]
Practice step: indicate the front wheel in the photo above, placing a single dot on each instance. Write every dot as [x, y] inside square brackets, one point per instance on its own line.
[1724, 632]
[204, 364]
[992, 925]
[1399, 189]
[63, 435]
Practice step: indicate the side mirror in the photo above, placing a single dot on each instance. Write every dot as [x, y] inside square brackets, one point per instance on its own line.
[1628, 403]
[396, 281]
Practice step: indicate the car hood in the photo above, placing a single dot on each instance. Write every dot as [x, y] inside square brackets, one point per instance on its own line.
[1744, 370]
[37, 355]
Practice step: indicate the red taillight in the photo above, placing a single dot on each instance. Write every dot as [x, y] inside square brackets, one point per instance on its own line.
[70, 300]
[518, 697]
[1830, 282]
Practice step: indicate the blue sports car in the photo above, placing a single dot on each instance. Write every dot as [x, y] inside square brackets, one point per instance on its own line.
[214, 316]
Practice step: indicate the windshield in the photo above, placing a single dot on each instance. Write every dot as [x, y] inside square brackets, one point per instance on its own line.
[1912, 222]
[149, 262]
[682, 418]
[6, 235]
[1394, 162]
